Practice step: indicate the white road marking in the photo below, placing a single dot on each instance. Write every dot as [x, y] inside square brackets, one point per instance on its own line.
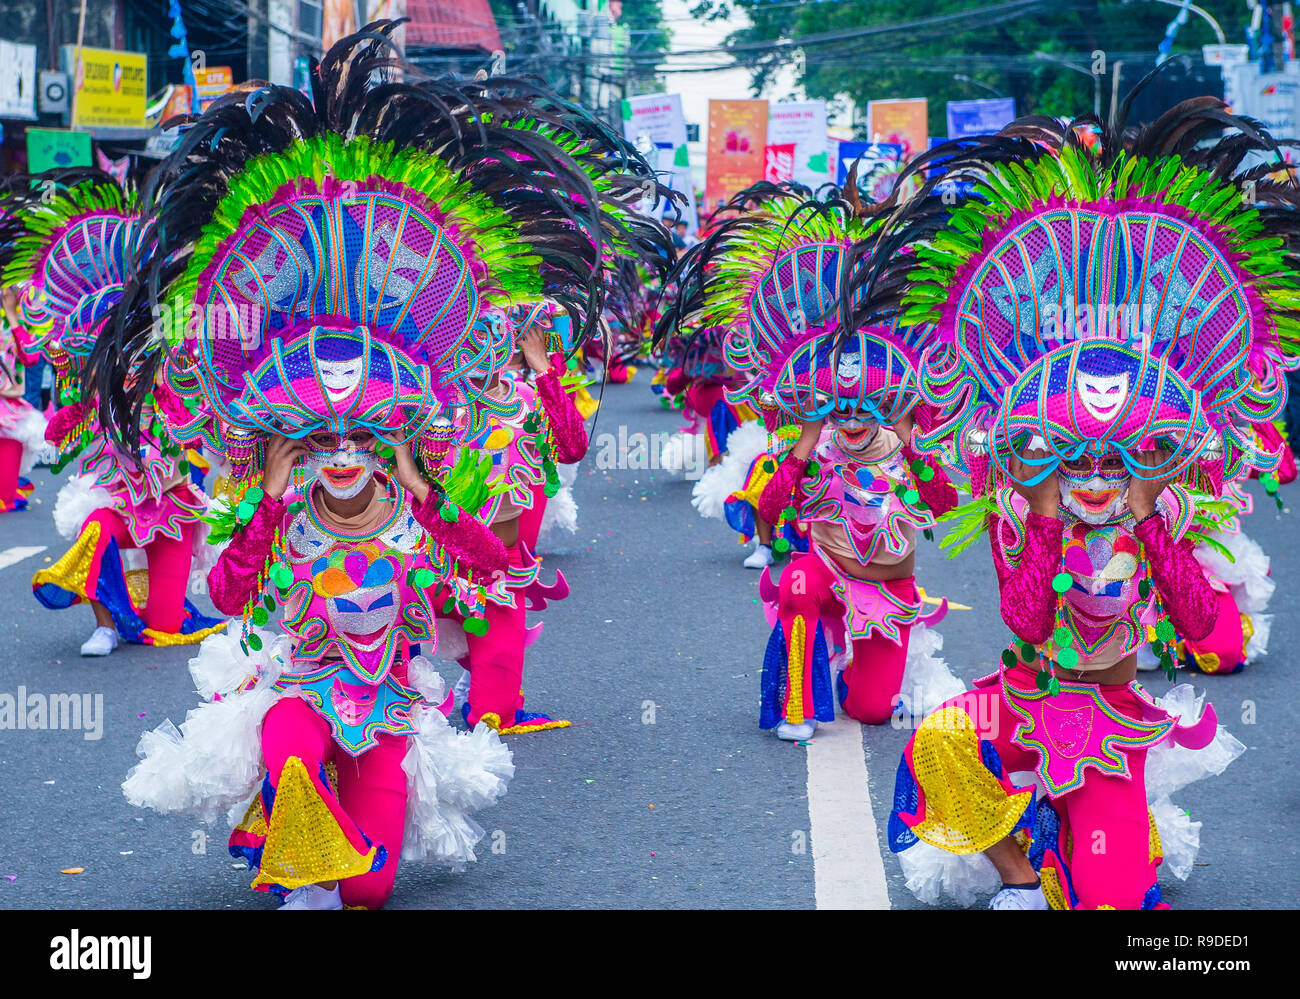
[848, 871]
[12, 556]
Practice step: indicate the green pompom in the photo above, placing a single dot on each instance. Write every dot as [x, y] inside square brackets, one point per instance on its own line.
[1053, 686]
[551, 489]
[1027, 652]
[1063, 637]
[780, 546]
[268, 602]
[925, 474]
[255, 643]
[789, 513]
[260, 616]
[281, 576]
[1068, 658]
[911, 496]
[814, 469]
[1144, 589]
[1009, 659]
[476, 626]
[424, 578]
[1042, 679]
[244, 512]
[254, 495]
[448, 512]
[183, 467]
[1165, 631]
[297, 506]
[1062, 582]
[769, 466]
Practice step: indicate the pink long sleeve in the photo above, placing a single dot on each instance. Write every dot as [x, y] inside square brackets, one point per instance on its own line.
[1028, 600]
[566, 422]
[232, 582]
[1187, 595]
[23, 345]
[939, 493]
[780, 488]
[468, 540]
[63, 421]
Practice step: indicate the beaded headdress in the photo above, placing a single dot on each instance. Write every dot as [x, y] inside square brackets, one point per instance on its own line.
[344, 261]
[1102, 291]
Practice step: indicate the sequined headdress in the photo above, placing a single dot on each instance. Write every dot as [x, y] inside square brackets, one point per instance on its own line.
[769, 283]
[76, 237]
[346, 260]
[1102, 290]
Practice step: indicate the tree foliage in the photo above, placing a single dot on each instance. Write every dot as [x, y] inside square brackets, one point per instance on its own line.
[873, 49]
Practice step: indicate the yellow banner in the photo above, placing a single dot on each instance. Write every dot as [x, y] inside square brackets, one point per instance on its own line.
[109, 89]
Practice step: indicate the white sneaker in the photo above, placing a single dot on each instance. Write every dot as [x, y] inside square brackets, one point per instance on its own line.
[796, 733]
[760, 558]
[101, 643]
[1020, 898]
[314, 897]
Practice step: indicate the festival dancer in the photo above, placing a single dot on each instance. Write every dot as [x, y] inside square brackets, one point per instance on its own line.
[351, 243]
[1112, 319]
[22, 428]
[851, 478]
[525, 430]
[80, 234]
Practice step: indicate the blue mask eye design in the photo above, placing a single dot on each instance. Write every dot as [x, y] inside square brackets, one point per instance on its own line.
[346, 605]
[385, 601]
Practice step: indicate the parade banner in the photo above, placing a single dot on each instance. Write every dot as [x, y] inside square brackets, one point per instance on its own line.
[736, 145]
[211, 83]
[17, 80]
[803, 124]
[980, 117]
[778, 162]
[655, 122]
[108, 88]
[879, 164]
[900, 122]
[55, 147]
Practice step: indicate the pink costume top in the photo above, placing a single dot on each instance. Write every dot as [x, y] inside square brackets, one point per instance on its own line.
[13, 407]
[513, 450]
[854, 503]
[356, 602]
[154, 499]
[1103, 609]
[864, 511]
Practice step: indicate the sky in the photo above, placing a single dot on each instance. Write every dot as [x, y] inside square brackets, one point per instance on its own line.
[698, 88]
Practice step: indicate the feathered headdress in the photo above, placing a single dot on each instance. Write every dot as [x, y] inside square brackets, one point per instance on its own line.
[345, 260]
[770, 282]
[76, 236]
[1101, 290]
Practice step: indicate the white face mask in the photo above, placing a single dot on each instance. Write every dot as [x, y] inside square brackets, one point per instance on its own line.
[1095, 500]
[344, 473]
[856, 435]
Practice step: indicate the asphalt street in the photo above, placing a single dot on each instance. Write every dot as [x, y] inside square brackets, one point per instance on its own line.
[663, 794]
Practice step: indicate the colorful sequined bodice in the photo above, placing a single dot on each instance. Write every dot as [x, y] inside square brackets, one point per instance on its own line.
[872, 502]
[1104, 608]
[511, 446]
[353, 598]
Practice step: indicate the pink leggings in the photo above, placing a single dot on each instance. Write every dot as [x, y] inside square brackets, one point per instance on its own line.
[11, 460]
[875, 672]
[530, 521]
[169, 568]
[1110, 863]
[372, 789]
[496, 664]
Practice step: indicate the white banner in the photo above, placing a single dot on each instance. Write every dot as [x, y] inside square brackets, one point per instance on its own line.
[654, 123]
[804, 124]
[17, 81]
